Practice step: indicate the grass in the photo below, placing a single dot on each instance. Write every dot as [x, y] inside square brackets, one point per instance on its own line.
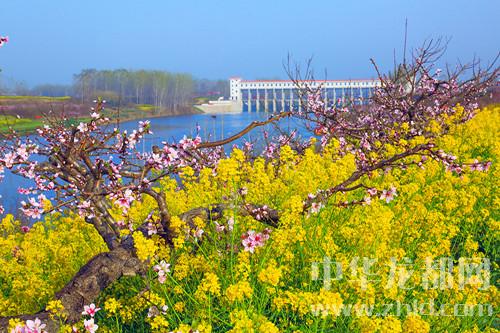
[27, 125]
[23, 125]
[145, 107]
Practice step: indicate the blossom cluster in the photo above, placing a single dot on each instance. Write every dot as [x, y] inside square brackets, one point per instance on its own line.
[252, 240]
[89, 324]
[162, 269]
[31, 326]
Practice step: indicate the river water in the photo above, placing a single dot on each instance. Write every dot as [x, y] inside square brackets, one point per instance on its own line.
[173, 128]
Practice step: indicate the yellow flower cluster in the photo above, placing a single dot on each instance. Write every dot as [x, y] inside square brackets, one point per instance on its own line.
[239, 291]
[415, 324]
[36, 264]
[210, 284]
[247, 322]
[146, 248]
[271, 274]
[324, 303]
[56, 309]
[112, 306]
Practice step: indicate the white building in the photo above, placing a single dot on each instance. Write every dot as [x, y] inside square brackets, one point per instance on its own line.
[279, 95]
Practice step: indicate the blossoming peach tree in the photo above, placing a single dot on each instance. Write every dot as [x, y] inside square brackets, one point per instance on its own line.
[95, 169]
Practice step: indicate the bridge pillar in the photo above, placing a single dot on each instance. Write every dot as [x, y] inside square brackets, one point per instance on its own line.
[282, 99]
[249, 100]
[266, 101]
[274, 100]
[291, 100]
[257, 102]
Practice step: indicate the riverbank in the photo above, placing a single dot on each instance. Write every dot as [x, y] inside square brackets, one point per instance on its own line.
[24, 114]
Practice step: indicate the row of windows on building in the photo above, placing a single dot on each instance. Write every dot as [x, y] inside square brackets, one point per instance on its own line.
[245, 85]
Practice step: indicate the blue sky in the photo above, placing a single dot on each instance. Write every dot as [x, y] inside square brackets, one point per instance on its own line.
[53, 39]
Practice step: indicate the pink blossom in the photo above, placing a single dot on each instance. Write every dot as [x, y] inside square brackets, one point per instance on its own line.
[84, 209]
[187, 143]
[31, 326]
[475, 166]
[269, 151]
[230, 223]
[18, 328]
[34, 208]
[219, 227]
[23, 190]
[372, 191]
[121, 224]
[90, 310]
[162, 269]
[25, 229]
[198, 233]
[144, 127]
[90, 326]
[83, 127]
[171, 153]
[243, 191]
[35, 326]
[248, 146]
[251, 240]
[125, 199]
[316, 207]
[260, 213]
[388, 195]
[151, 229]
[155, 159]
[478, 166]
[8, 160]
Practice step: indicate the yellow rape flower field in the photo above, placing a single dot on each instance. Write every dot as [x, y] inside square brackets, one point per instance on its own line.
[426, 261]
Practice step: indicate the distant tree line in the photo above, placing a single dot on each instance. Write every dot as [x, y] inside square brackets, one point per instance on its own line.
[121, 87]
[159, 88]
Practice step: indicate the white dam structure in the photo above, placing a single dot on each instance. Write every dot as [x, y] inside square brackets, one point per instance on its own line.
[282, 95]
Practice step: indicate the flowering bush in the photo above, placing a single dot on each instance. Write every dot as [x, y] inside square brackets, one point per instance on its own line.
[242, 277]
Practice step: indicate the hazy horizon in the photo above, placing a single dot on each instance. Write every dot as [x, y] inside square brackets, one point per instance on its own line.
[49, 42]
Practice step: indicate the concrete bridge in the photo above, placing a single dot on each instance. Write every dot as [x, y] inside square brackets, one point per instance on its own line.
[282, 95]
